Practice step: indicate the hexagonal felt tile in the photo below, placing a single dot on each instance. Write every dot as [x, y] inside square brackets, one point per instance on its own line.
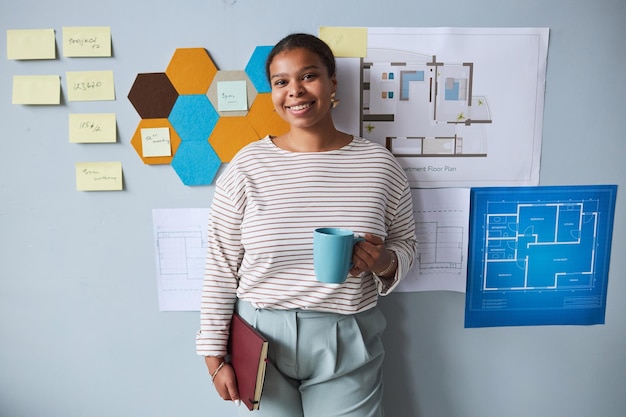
[196, 163]
[194, 117]
[264, 119]
[230, 135]
[152, 95]
[191, 70]
[137, 141]
[225, 76]
[256, 69]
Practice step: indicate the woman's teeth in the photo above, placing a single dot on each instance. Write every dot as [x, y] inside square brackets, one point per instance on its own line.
[300, 107]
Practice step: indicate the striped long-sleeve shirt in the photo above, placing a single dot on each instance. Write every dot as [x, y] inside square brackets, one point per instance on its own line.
[266, 205]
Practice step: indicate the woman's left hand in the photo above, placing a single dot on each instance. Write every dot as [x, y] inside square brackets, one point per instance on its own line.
[370, 255]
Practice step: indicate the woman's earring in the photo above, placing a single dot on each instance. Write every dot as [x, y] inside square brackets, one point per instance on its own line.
[333, 101]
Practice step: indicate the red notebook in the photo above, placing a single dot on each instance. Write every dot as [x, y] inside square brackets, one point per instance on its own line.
[248, 356]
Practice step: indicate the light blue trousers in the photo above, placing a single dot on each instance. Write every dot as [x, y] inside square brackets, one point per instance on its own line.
[321, 364]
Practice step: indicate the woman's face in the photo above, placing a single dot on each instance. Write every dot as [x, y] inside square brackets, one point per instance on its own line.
[301, 87]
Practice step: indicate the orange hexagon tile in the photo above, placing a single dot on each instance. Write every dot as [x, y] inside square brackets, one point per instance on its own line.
[137, 142]
[264, 119]
[225, 76]
[191, 70]
[230, 135]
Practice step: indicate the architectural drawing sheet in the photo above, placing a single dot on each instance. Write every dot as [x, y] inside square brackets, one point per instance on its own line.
[442, 222]
[442, 228]
[456, 106]
[180, 250]
[539, 255]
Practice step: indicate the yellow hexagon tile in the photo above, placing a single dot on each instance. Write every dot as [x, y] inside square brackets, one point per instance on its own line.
[191, 70]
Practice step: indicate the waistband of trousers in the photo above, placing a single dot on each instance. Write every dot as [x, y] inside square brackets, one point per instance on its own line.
[243, 305]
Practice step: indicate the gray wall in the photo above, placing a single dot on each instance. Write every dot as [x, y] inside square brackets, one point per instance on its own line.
[80, 331]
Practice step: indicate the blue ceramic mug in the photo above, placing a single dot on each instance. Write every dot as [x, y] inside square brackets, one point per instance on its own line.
[332, 253]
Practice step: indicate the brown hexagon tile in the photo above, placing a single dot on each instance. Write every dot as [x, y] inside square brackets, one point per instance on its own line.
[153, 95]
[230, 135]
[264, 119]
[191, 70]
[136, 141]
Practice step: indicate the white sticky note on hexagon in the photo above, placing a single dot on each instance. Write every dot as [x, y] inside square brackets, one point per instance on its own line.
[155, 141]
[232, 96]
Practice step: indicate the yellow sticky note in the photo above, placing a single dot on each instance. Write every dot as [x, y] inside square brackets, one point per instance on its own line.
[345, 42]
[36, 89]
[92, 128]
[90, 41]
[31, 44]
[155, 141]
[98, 176]
[90, 85]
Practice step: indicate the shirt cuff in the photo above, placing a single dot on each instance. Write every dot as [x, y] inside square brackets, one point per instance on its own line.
[386, 285]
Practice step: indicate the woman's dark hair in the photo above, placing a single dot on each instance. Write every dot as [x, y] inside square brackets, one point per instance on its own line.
[303, 40]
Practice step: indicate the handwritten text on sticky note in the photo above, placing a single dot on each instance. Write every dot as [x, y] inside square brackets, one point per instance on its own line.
[90, 85]
[99, 176]
[155, 141]
[94, 41]
[232, 96]
[92, 128]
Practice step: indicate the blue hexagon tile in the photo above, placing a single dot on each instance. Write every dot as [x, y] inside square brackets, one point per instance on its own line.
[196, 163]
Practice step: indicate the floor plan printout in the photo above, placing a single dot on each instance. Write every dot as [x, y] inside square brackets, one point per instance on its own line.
[539, 255]
[454, 105]
[442, 229]
[441, 222]
[180, 249]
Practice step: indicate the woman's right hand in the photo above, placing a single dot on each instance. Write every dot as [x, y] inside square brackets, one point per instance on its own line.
[224, 381]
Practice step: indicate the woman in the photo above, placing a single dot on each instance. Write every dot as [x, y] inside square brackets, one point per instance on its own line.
[325, 339]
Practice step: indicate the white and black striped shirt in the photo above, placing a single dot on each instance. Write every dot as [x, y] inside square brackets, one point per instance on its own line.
[266, 205]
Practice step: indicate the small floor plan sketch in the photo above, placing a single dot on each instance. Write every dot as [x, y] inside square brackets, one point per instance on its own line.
[540, 254]
[180, 251]
[181, 254]
[421, 106]
[440, 247]
[441, 222]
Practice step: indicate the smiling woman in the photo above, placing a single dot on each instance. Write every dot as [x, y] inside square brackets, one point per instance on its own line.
[301, 71]
[267, 203]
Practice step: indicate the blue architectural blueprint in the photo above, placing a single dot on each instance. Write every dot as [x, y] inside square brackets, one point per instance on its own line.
[539, 255]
